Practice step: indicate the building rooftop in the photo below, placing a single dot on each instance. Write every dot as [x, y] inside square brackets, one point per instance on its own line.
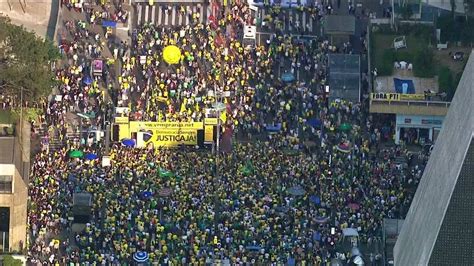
[386, 83]
[438, 228]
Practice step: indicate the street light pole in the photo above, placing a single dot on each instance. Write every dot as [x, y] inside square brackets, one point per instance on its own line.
[21, 113]
[107, 137]
[218, 106]
[218, 138]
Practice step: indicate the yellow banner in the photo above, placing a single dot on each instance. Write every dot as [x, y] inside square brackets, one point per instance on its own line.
[208, 133]
[121, 119]
[172, 137]
[396, 97]
[136, 126]
[210, 121]
[412, 97]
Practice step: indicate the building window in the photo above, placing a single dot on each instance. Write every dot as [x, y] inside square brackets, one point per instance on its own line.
[6, 184]
[4, 228]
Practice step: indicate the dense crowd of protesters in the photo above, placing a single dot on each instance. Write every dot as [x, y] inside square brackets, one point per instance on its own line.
[284, 199]
[247, 213]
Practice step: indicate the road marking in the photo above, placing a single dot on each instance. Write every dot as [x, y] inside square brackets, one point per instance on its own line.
[153, 13]
[160, 15]
[288, 18]
[194, 9]
[180, 18]
[201, 16]
[304, 21]
[188, 9]
[139, 15]
[167, 15]
[147, 7]
[297, 19]
[209, 11]
[310, 24]
[173, 15]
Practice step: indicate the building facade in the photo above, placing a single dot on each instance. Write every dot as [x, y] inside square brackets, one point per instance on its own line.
[14, 171]
[439, 227]
[417, 120]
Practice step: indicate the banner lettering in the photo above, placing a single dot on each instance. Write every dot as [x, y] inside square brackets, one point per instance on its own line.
[382, 96]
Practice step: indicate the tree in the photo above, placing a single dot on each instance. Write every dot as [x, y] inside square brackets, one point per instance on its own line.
[466, 33]
[423, 65]
[29, 114]
[446, 25]
[406, 12]
[10, 261]
[445, 79]
[469, 8]
[24, 63]
[453, 8]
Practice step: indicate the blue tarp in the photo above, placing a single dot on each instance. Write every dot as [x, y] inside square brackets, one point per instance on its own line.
[109, 23]
[405, 86]
[87, 80]
[317, 236]
[91, 156]
[146, 194]
[314, 123]
[253, 248]
[291, 261]
[296, 191]
[315, 199]
[128, 142]
[287, 77]
[273, 128]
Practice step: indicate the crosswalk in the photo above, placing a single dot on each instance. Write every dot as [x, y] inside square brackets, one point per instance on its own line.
[172, 15]
[290, 20]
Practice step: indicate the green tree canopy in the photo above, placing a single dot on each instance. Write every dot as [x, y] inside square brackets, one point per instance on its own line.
[424, 65]
[25, 62]
[10, 261]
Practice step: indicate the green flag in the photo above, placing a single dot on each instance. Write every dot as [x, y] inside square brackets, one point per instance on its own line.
[165, 173]
[247, 169]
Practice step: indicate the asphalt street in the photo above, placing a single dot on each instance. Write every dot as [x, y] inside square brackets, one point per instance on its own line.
[170, 15]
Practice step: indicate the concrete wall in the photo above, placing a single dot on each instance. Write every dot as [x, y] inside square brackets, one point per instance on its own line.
[412, 108]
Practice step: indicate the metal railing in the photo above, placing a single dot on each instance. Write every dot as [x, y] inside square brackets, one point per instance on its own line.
[412, 103]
